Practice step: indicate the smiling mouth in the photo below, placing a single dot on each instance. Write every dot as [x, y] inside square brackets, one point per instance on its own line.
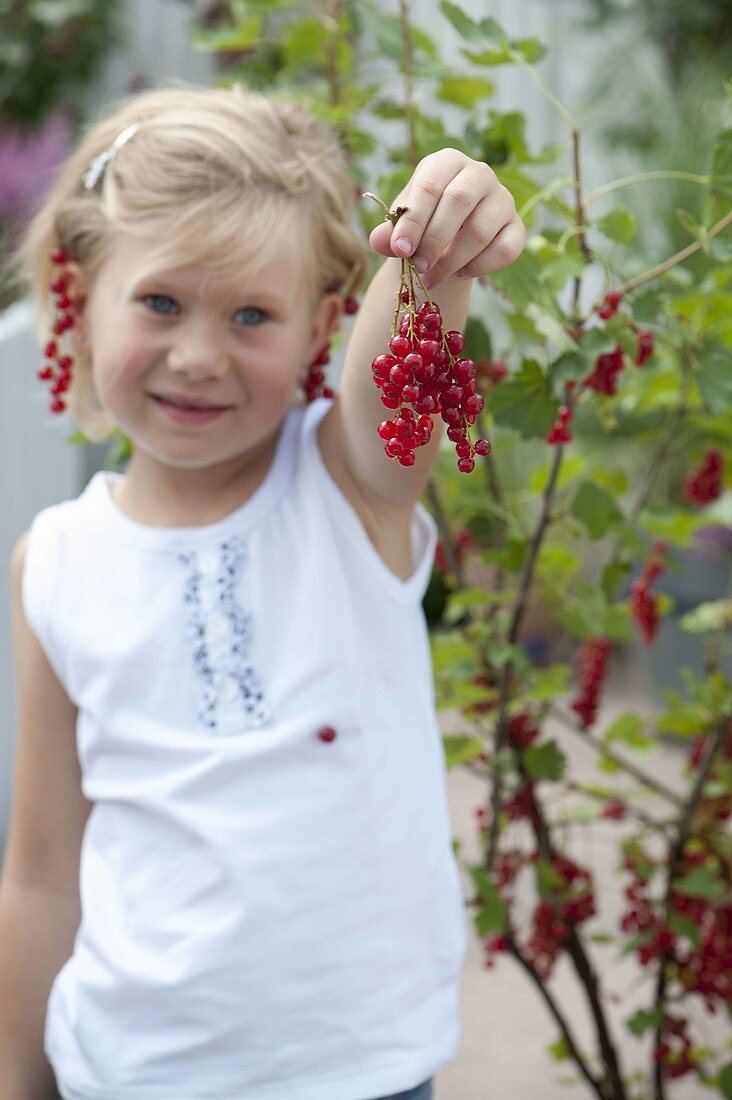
[190, 408]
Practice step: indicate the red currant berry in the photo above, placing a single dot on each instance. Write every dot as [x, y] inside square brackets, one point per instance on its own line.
[400, 345]
[327, 733]
[455, 341]
[466, 465]
[398, 376]
[428, 349]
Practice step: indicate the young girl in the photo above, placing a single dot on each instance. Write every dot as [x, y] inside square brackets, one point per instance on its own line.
[229, 873]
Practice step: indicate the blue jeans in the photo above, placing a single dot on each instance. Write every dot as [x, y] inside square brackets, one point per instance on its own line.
[421, 1092]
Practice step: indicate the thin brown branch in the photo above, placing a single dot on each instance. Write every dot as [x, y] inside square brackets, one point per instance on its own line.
[556, 1012]
[674, 867]
[612, 1087]
[579, 214]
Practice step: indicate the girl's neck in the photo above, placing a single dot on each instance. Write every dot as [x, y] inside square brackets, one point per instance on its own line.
[156, 495]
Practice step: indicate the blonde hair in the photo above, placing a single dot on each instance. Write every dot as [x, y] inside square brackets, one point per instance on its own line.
[219, 177]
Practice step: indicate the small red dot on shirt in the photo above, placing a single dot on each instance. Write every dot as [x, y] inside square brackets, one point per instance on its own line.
[327, 733]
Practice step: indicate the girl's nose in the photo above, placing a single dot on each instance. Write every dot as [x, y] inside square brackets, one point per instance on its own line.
[199, 350]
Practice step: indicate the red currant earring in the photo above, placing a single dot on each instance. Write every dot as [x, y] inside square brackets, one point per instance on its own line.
[58, 372]
[314, 384]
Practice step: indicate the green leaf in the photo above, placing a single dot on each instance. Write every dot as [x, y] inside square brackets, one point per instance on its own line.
[559, 1050]
[548, 878]
[722, 163]
[450, 651]
[464, 91]
[492, 32]
[524, 402]
[389, 38]
[714, 380]
[388, 108]
[595, 508]
[461, 21]
[465, 598]
[725, 1081]
[628, 729]
[617, 225]
[478, 343]
[424, 43]
[502, 56]
[588, 812]
[606, 764]
[521, 280]
[701, 882]
[682, 717]
[460, 748]
[682, 926]
[547, 683]
[545, 761]
[632, 944]
[531, 49]
[712, 615]
[491, 917]
[641, 1021]
[303, 42]
[242, 37]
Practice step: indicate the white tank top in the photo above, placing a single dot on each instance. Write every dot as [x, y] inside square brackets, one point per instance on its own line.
[266, 915]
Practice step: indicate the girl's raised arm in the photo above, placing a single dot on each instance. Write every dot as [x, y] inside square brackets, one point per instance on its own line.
[459, 219]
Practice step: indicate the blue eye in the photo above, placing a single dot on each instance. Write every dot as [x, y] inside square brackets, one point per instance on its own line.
[253, 309]
[158, 298]
[153, 301]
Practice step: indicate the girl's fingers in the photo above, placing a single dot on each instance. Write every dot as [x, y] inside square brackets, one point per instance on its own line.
[422, 195]
[483, 240]
[465, 192]
[459, 217]
[425, 193]
[504, 249]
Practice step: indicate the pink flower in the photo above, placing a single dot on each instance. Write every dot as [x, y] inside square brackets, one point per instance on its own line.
[28, 161]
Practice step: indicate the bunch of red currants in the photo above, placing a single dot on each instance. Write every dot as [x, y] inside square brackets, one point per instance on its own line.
[423, 375]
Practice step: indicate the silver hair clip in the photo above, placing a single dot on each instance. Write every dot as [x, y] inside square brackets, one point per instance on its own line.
[97, 166]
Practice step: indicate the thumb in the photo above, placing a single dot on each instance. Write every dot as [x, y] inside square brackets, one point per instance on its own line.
[380, 239]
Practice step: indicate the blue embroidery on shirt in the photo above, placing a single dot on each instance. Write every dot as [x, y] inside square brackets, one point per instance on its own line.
[222, 661]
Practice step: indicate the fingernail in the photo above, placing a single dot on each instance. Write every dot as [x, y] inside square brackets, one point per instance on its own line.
[404, 245]
[420, 263]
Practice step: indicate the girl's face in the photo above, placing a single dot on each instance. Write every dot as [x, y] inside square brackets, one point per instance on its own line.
[243, 344]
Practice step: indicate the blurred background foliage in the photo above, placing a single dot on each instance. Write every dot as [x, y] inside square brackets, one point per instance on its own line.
[655, 98]
[49, 51]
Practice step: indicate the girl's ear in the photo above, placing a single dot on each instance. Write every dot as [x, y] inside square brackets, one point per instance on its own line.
[325, 322]
[78, 291]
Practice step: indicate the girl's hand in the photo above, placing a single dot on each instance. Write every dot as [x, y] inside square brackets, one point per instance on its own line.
[461, 220]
